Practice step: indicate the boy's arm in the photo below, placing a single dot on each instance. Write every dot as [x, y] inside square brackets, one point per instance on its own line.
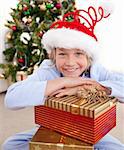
[36, 88]
[29, 92]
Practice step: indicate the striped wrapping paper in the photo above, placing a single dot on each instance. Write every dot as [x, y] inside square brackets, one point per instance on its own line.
[80, 106]
[77, 118]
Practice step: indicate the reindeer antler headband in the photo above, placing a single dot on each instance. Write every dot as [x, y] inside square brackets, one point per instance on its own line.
[77, 33]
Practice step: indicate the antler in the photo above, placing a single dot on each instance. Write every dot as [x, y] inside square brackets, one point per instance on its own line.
[85, 15]
[91, 13]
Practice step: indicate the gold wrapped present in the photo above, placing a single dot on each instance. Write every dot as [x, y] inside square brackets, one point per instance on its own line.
[87, 117]
[46, 139]
[81, 106]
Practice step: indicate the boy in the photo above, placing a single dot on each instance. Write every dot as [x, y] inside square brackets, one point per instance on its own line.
[72, 49]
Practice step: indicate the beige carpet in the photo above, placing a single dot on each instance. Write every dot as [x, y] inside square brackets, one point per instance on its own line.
[12, 122]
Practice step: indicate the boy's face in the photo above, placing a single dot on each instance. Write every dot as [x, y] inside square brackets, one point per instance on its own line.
[71, 62]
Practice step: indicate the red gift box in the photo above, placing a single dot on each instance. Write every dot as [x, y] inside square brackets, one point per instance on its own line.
[88, 125]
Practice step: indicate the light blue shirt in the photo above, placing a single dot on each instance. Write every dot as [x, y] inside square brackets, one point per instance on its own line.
[30, 92]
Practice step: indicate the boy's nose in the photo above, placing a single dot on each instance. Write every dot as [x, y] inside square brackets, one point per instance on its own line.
[70, 61]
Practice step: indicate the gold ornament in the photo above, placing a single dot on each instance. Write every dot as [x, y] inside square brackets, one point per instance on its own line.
[42, 7]
[21, 75]
[2, 76]
[8, 35]
[30, 70]
[29, 20]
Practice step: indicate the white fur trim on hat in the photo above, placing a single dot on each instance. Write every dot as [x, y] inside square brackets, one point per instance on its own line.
[70, 38]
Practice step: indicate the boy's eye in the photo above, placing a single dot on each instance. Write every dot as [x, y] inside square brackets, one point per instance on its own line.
[61, 54]
[79, 53]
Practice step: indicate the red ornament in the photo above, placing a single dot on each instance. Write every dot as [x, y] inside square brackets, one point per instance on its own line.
[14, 28]
[25, 8]
[40, 34]
[21, 60]
[58, 5]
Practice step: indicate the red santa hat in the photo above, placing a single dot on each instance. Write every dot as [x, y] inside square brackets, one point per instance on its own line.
[78, 33]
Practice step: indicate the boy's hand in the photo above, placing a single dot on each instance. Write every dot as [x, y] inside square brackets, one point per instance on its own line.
[87, 84]
[65, 92]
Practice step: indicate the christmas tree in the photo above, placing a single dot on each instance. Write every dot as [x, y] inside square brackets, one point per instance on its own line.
[30, 20]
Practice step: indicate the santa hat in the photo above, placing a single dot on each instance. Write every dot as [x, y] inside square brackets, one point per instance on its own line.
[78, 33]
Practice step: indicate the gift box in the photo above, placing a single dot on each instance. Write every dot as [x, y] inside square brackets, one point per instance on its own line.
[69, 115]
[21, 75]
[47, 139]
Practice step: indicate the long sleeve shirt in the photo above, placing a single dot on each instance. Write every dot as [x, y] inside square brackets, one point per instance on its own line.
[31, 92]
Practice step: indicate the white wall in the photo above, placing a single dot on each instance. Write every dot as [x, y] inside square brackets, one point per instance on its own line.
[110, 32]
[4, 15]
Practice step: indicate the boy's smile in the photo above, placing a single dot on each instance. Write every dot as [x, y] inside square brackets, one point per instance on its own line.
[71, 62]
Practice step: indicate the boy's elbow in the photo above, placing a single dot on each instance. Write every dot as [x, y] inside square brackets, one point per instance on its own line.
[10, 103]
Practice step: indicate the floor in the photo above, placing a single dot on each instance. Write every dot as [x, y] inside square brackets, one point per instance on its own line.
[12, 122]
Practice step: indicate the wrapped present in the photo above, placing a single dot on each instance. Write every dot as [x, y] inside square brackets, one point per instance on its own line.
[86, 120]
[47, 139]
[21, 75]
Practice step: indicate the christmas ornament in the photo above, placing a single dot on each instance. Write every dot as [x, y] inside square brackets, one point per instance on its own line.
[15, 60]
[37, 19]
[29, 70]
[70, 19]
[21, 75]
[3, 83]
[8, 35]
[29, 20]
[14, 28]
[58, 5]
[49, 6]
[25, 8]
[2, 76]
[21, 60]
[19, 6]
[25, 19]
[40, 34]
[25, 37]
[15, 63]
[42, 7]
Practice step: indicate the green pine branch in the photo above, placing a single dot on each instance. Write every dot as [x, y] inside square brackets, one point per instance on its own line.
[30, 20]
